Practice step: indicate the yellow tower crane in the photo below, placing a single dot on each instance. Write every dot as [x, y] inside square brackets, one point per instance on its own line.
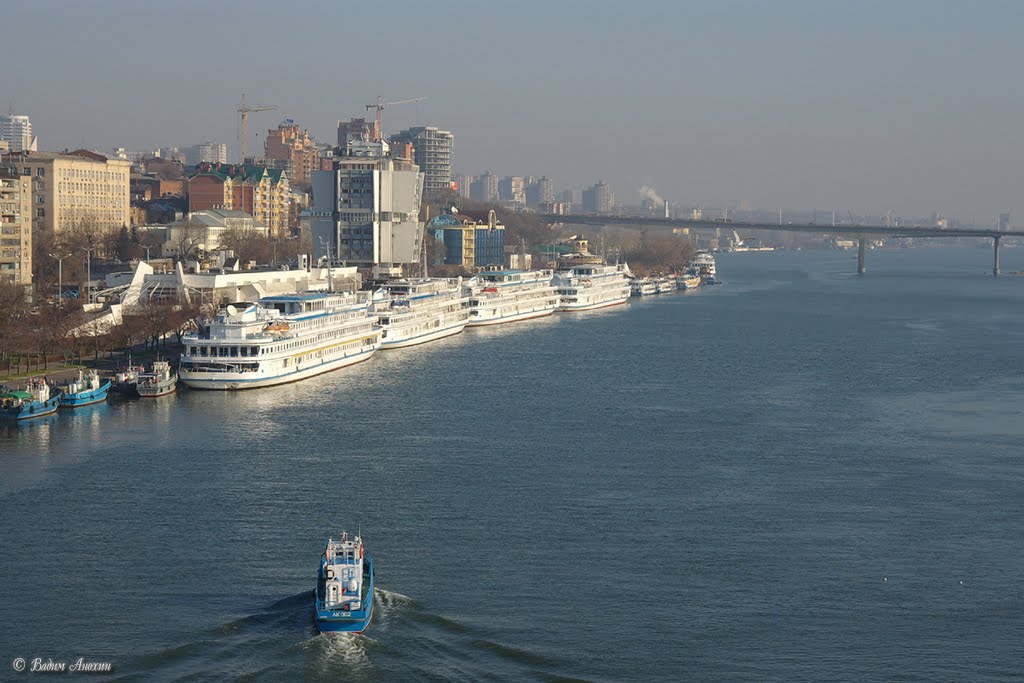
[244, 111]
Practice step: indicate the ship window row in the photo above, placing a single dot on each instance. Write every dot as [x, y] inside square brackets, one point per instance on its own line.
[223, 351]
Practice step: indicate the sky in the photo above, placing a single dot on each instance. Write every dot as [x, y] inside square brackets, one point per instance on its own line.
[913, 106]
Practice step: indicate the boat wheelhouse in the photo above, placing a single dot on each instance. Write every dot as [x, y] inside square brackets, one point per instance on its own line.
[37, 400]
[509, 295]
[160, 380]
[85, 390]
[416, 311]
[343, 597]
[280, 339]
[585, 287]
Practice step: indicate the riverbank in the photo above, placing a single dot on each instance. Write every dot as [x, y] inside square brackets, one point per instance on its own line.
[60, 371]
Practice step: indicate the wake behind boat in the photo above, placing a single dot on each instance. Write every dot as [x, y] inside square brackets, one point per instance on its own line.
[280, 339]
[343, 598]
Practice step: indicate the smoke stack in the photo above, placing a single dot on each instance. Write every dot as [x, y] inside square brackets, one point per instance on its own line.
[666, 210]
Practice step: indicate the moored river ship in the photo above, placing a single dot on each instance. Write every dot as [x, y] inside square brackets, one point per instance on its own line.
[509, 295]
[280, 339]
[588, 286]
[415, 311]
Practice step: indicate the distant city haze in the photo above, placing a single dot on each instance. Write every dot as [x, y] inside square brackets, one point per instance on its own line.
[913, 107]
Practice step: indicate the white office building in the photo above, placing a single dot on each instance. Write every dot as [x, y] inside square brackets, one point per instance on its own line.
[16, 130]
[366, 210]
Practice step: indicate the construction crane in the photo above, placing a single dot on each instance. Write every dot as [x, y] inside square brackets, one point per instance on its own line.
[380, 107]
[244, 111]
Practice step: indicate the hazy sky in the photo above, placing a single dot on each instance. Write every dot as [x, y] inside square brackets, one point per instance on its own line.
[913, 106]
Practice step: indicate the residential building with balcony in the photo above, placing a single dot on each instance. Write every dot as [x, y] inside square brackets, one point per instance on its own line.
[433, 154]
[79, 190]
[264, 193]
[292, 149]
[15, 227]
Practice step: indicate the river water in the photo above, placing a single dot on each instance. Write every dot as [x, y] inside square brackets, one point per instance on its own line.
[800, 474]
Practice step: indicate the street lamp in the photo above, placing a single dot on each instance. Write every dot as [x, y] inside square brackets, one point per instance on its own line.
[88, 265]
[60, 277]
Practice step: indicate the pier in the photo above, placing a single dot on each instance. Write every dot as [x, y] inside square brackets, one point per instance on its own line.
[859, 232]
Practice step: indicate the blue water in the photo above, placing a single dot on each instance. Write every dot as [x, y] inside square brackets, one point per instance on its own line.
[800, 474]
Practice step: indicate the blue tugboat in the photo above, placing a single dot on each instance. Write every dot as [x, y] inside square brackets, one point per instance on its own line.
[85, 391]
[36, 400]
[343, 599]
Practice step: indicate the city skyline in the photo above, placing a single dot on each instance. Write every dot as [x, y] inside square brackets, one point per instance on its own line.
[797, 105]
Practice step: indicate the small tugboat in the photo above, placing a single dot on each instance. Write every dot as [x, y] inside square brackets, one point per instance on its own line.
[35, 401]
[343, 599]
[126, 379]
[84, 391]
[160, 381]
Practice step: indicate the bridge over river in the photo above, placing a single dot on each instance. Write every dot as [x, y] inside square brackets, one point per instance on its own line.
[858, 232]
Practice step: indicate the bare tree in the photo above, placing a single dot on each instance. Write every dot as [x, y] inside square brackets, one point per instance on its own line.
[188, 235]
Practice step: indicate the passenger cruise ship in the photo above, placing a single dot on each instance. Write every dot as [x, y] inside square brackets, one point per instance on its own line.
[588, 286]
[280, 339]
[416, 311]
[510, 295]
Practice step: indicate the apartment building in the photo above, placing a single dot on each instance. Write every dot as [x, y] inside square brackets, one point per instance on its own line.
[15, 227]
[79, 190]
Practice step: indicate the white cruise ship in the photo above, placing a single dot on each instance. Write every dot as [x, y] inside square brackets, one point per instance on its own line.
[589, 286]
[280, 339]
[417, 311]
[510, 295]
[703, 263]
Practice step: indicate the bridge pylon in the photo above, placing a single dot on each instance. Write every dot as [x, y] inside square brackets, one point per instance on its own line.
[861, 266]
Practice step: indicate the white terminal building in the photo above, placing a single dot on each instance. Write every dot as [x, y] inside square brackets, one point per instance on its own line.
[366, 210]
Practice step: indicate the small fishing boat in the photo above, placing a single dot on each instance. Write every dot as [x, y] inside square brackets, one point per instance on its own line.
[159, 381]
[125, 379]
[37, 400]
[343, 598]
[86, 390]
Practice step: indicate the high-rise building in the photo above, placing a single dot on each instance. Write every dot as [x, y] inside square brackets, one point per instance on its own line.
[598, 198]
[572, 199]
[463, 181]
[484, 188]
[15, 227]
[366, 207]
[16, 129]
[512, 189]
[81, 190]
[541, 191]
[262, 192]
[1004, 221]
[433, 154]
[206, 153]
[357, 129]
[293, 150]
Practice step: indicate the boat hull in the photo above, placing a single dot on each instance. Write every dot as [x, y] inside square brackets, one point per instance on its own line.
[515, 317]
[237, 381]
[86, 398]
[346, 621]
[570, 308]
[32, 410]
[403, 342]
[334, 621]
